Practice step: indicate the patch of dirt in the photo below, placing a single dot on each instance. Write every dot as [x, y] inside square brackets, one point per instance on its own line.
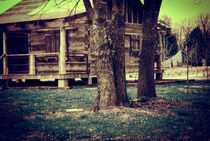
[160, 106]
[31, 117]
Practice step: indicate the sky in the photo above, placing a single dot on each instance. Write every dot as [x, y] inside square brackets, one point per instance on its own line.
[177, 10]
[180, 9]
[6, 4]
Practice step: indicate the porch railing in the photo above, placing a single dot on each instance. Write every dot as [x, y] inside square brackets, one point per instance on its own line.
[44, 63]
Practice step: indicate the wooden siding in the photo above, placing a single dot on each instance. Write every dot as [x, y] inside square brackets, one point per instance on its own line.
[44, 43]
[48, 41]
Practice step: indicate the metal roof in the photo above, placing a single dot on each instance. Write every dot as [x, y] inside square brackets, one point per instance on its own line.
[31, 10]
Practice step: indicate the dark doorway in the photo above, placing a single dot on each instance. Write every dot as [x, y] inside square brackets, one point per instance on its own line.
[17, 43]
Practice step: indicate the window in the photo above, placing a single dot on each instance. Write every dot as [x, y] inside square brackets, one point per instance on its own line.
[52, 42]
[135, 15]
[135, 45]
[133, 12]
[130, 10]
[51, 45]
[140, 16]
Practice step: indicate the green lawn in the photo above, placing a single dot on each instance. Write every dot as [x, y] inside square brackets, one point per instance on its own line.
[42, 115]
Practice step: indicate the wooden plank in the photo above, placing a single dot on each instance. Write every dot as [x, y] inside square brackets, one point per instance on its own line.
[44, 76]
[77, 39]
[133, 31]
[134, 25]
[5, 63]
[38, 54]
[76, 45]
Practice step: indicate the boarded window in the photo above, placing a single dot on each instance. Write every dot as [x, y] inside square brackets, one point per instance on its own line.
[52, 42]
[135, 45]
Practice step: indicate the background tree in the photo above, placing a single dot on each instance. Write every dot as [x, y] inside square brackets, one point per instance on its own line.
[203, 21]
[146, 84]
[108, 40]
[170, 47]
[197, 51]
[182, 31]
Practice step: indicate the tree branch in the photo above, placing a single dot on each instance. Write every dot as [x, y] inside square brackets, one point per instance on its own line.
[88, 8]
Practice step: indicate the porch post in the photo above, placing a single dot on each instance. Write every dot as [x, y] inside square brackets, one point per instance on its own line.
[5, 63]
[62, 58]
[159, 75]
[32, 68]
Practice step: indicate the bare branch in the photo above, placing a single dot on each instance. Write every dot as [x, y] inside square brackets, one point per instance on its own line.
[88, 8]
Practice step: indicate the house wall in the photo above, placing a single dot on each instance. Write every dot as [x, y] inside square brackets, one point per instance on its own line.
[131, 56]
[47, 40]
[44, 43]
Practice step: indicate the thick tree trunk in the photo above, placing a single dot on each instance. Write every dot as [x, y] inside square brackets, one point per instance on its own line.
[104, 56]
[116, 35]
[146, 83]
[108, 48]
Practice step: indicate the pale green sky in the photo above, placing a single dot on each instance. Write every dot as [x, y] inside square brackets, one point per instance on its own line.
[180, 9]
[6, 4]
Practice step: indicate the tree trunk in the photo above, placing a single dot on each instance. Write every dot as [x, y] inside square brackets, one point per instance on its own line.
[108, 38]
[146, 83]
[116, 35]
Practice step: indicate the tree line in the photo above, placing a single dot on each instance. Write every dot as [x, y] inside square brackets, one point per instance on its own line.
[188, 32]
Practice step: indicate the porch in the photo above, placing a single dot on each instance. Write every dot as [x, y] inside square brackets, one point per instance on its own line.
[18, 63]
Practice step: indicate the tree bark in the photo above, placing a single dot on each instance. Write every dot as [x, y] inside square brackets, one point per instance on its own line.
[108, 40]
[116, 35]
[146, 83]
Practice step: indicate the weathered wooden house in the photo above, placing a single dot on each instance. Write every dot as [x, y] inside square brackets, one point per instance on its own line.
[40, 41]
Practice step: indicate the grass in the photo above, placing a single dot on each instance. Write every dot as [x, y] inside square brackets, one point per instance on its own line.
[41, 115]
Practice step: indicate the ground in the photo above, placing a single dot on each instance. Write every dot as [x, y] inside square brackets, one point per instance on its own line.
[195, 73]
[57, 115]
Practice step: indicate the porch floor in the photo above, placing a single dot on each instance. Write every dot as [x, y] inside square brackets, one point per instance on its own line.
[44, 76]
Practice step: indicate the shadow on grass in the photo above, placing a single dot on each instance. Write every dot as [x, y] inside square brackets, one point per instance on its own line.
[41, 115]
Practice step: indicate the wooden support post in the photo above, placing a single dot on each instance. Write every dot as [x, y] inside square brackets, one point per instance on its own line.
[62, 58]
[90, 80]
[62, 55]
[5, 63]
[63, 83]
[32, 67]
